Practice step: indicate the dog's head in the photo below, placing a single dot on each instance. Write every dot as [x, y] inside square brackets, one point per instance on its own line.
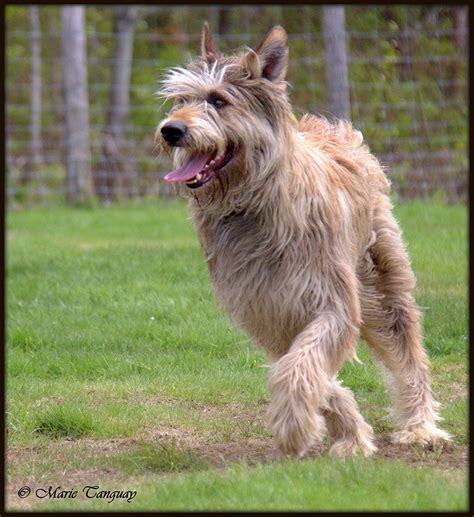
[228, 116]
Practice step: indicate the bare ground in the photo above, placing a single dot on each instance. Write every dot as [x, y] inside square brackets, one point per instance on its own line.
[56, 455]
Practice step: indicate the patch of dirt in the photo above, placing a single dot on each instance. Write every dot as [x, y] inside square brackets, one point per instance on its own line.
[56, 453]
[48, 401]
[13, 235]
[233, 410]
[450, 390]
[105, 478]
[218, 454]
[109, 446]
[141, 243]
[253, 451]
[184, 437]
[89, 246]
[457, 390]
[445, 456]
[450, 382]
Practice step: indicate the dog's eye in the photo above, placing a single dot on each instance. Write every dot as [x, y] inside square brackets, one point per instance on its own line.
[217, 102]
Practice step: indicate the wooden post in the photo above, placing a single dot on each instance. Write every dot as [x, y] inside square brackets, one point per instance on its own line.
[78, 156]
[337, 84]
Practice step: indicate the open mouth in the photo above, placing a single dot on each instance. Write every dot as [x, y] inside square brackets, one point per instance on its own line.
[200, 169]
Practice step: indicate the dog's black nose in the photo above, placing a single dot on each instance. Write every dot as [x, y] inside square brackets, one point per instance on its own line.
[174, 131]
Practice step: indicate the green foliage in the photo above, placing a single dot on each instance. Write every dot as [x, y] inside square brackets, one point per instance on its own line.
[413, 114]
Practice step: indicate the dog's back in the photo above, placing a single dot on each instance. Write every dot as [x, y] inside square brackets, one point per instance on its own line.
[345, 145]
[266, 267]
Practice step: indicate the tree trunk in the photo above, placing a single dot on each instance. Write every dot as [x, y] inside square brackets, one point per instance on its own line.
[460, 27]
[460, 19]
[78, 156]
[223, 27]
[391, 15]
[33, 169]
[119, 171]
[337, 84]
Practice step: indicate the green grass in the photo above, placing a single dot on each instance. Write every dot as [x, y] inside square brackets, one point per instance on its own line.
[113, 334]
[326, 484]
[159, 458]
[64, 421]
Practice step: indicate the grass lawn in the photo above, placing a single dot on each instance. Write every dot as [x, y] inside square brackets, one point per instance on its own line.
[123, 373]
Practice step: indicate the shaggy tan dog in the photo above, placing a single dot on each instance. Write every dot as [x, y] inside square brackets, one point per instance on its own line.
[295, 221]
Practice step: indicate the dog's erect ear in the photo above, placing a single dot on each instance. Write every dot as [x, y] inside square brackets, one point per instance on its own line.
[272, 55]
[208, 50]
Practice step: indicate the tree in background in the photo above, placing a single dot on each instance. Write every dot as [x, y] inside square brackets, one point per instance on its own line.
[34, 166]
[337, 83]
[460, 23]
[223, 25]
[78, 156]
[118, 174]
[407, 70]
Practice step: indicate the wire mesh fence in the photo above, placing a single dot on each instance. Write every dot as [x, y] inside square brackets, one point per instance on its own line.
[407, 72]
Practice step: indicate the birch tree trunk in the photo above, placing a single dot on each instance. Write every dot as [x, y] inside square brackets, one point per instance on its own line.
[223, 26]
[119, 167]
[460, 22]
[461, 27]
[34, 167]
[78, 156]
[337, 83]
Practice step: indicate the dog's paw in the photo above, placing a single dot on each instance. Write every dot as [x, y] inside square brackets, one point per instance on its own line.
[424, 435]
[293, 434]
[293, 439]
[352, 447]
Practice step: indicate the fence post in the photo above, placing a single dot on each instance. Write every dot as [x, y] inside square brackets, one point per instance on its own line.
[78, 156]
[337, 84]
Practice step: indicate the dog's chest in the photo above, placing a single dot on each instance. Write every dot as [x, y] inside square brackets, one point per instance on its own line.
[265, 280]
[239, 246]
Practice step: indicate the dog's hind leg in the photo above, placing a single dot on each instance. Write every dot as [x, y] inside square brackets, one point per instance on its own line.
[391, 326]
[302, 381]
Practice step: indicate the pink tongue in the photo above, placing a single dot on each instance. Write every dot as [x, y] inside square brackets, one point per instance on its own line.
[189, 169]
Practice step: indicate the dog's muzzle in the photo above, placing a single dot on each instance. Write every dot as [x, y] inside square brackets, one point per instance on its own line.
[173, 132]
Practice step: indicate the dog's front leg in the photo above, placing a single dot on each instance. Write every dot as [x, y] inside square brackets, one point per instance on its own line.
[300, 381]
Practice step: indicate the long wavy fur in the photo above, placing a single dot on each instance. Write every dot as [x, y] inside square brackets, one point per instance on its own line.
[302, 248]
